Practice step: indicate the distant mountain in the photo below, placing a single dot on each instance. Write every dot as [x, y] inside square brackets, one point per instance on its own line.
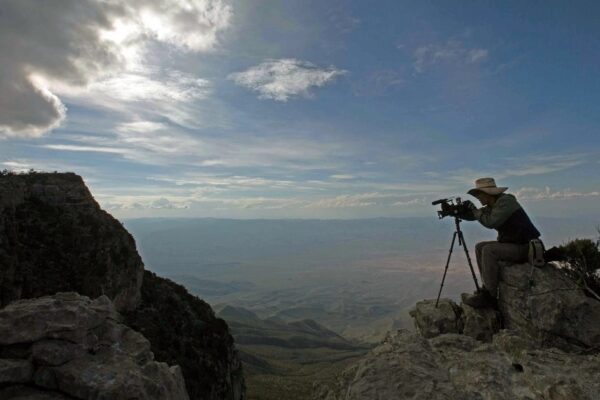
[278, 355]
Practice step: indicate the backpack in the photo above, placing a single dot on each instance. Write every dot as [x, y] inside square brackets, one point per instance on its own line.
[536, 253]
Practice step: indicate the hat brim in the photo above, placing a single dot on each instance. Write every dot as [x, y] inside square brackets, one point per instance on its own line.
[492, 190]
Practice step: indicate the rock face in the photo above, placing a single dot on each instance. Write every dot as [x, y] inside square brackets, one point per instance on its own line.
[549, 348]
[65, 345]
[183, 330]
[453, 366]
[551, 310]
[54, 237]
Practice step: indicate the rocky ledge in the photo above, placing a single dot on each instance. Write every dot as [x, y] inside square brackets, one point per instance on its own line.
[543, 343]
[54, 237]
[67, 346]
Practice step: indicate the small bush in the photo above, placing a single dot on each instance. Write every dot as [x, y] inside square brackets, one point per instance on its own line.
[583, 263]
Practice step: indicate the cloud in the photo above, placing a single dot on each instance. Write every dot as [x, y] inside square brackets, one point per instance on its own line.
[53, 46]
[285, 78]
[91, 149]
[348, 200]
[533, 193]
[453, 51]
[533, 165]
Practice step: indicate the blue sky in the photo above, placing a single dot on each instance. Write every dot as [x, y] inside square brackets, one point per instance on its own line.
[328, 109]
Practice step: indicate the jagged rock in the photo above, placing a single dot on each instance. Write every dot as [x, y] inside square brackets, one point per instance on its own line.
[183, 330]
[80, 349]
[15, 371]
[479, 323]
[54, 238]
[454, 366]
[553, 311]
[431, 321]
[28, 393]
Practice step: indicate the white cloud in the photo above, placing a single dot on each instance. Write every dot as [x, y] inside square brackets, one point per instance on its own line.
[533, 165]
[533, 193]
[51, 47]
[285, 78]
[348, 200]
[411, 202]
[92, 149]
[451, 51]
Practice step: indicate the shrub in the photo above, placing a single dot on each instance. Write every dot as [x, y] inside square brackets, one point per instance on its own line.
[582, 263]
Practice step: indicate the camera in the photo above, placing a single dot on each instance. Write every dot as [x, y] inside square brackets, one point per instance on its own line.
[452, 207]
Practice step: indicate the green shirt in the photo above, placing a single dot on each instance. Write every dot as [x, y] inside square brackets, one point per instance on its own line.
[494, 216]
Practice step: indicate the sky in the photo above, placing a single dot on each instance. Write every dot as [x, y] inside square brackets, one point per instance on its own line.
[302, 108]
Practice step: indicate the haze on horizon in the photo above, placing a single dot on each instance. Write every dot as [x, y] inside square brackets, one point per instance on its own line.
[304, 109]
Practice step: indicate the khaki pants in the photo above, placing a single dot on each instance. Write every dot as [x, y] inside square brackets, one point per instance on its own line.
[489, 253]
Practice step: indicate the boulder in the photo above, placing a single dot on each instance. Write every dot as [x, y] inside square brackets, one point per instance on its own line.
[479, 323]
[546, 306]
[431, 321]
[79, 349]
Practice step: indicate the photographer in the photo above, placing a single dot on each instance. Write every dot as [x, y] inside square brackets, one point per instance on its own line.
[503, 213]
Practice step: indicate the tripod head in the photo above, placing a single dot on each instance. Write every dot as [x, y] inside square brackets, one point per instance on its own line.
[451, 207]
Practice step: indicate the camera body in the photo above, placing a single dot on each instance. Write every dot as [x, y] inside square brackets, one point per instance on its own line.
[452, 207]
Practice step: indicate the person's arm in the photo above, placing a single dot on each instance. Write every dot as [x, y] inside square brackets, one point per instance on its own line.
[494, 217]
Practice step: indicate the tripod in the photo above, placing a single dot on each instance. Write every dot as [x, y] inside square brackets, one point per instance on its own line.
[461, 242]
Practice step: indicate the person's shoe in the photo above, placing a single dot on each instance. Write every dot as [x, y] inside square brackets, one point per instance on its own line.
[480, 299]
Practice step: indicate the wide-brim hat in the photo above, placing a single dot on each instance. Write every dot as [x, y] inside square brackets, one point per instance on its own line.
[486, 185]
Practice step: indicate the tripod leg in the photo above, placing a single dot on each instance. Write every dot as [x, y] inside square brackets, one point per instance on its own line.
[446, 269]
[461, 240]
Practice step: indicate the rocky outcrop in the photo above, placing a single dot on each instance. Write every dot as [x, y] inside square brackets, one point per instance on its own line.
[453, 366]
[548, 349]
[547, 307]
[54, 237]
[183, 330]
[68, 346]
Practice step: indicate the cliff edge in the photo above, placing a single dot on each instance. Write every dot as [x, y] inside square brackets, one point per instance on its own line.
[54, 237]
[542, 344]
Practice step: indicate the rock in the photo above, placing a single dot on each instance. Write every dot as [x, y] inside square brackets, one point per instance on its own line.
[51, 226]
[112, 376]
[55, 352]
[65, 316]
[183, 330]
[29, 393]
[553, 312]
[431, 321]
[116, 364]
[480, 323]
[454, 366]
[15, 371]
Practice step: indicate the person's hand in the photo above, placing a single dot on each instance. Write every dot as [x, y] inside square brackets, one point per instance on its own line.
[468, 204]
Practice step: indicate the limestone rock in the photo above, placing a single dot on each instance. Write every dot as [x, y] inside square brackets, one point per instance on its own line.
[552, 311]
[480, 323]
[431, 321]
[454, 366]
[54, 238]
[15, 371]
[29, 393]
[79, 349]
[183, 330]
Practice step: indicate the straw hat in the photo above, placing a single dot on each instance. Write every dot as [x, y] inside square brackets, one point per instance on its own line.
[486, 185]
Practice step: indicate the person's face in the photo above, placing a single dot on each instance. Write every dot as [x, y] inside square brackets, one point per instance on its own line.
[485, 199]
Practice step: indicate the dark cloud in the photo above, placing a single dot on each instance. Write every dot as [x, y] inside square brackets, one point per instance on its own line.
[48, 44]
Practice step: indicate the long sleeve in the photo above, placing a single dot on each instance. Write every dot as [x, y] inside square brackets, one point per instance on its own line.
[493, 217]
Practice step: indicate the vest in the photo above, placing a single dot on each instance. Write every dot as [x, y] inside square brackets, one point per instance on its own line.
[518, 228]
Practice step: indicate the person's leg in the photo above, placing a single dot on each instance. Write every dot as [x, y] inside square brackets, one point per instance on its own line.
[493, 252]
[478, 256]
